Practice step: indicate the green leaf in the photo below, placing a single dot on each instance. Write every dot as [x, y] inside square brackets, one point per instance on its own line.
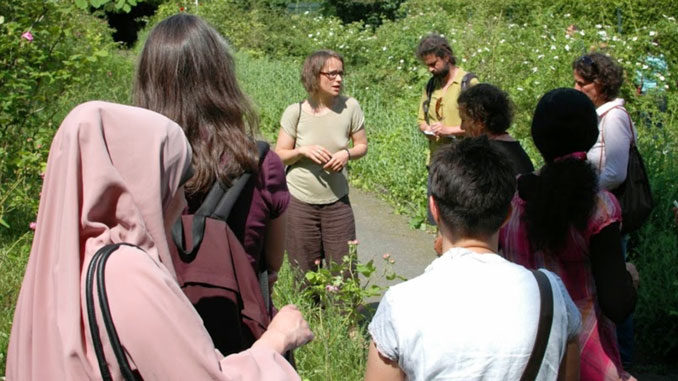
[4, 223]
[81, 4]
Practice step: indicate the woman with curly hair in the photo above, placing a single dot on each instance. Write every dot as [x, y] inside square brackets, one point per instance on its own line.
[562, 221]
[487, 110]
[600, 78]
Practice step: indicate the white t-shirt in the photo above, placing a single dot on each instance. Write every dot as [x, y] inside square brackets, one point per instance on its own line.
[470, 317]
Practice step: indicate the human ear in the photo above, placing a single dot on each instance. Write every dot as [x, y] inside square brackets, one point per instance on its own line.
[435, 213]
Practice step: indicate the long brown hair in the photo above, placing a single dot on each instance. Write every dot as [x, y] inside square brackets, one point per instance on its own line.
[187, 73]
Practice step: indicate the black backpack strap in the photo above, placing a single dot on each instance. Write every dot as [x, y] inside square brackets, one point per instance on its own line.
[543, 329]
[430, 86]
[96, 266]
[466, 80]
[218, 204]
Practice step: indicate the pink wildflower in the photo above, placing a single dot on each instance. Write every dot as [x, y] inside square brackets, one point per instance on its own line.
[28, 36]
[331, 288]
[386, 256]
[317, 262]
[33, 225]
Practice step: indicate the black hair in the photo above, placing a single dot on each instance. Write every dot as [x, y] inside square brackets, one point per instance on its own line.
[472, 183]
[488, 104]
[600, 68]
[438, 45]
[562, 194]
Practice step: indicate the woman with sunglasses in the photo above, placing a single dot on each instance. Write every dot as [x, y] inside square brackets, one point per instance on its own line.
[314, 142]
[600, 78]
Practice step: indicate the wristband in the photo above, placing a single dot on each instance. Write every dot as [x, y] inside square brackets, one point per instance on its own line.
[348, 152]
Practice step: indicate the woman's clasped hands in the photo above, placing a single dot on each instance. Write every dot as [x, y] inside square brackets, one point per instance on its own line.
[320, 155]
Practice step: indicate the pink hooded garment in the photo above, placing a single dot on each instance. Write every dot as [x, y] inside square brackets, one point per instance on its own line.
[112, 171]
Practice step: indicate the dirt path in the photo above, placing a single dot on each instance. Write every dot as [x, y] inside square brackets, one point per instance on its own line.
[381, 231]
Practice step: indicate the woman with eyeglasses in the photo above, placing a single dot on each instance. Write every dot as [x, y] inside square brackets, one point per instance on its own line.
[314, 141]
[600, 78]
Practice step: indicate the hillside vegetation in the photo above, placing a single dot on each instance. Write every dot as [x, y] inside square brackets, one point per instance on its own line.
[519, 45]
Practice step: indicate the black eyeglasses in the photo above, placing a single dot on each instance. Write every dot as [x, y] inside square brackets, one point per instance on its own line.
[332, 74]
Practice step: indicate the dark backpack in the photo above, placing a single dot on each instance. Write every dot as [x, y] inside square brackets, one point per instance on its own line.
[634, 194]
[215, 272]
[431, 86]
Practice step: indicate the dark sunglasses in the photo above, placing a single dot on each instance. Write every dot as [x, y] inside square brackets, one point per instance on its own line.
[587, 61]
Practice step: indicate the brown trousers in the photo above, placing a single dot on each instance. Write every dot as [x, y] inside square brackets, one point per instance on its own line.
[317, 232]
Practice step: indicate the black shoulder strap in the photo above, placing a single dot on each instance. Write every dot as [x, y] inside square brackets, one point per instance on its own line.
[97, 265]
[544, 328]
[430, 86]
[218, 205]
[466, 80]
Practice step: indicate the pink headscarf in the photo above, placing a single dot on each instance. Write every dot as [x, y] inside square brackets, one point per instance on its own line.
[112, 170]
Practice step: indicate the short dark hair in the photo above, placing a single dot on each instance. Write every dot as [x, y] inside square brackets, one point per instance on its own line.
[600, 68]
[313, 64]
[472, 184]
[438, 45]
[488, 104]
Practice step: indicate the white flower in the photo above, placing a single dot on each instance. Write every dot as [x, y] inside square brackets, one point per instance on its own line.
[661, 77]
[400, 67]
[463, 60]
[666, 87]
[534, 69]
[383, 48]
[553, 47]
[652, 33]
[540, 56]
[645, 66]
[537, 82]
[566, 15]
[567, 47]
[598, 26]
[402, 60]
[602, 33]
[635, 38]
[310, 35]
[520, 89]
[502, 41]
[555, 57]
